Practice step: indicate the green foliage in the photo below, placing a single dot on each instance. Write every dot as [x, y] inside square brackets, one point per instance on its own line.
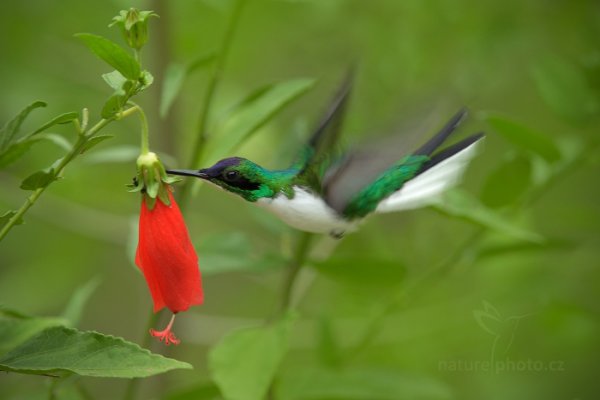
[38, 180]
[62, 351]
[244, 363]
[380, 312]
[525, 138]
[113, 54]
[359, 383]
[175, 76]
[458, 203]
[565, 89]
[253, 112]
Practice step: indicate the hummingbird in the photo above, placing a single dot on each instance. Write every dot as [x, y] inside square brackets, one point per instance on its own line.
[328, 194]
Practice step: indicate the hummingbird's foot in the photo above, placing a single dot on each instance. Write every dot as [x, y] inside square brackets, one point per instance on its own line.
[337, 234]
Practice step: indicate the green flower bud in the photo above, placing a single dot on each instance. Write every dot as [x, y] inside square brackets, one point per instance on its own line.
[134, 26]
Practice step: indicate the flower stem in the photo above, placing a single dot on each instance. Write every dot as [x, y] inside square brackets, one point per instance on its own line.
[217, 70]
[145, 136]
[58, 170]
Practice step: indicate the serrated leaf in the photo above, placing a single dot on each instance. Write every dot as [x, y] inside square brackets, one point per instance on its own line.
[524, 137]
[113, 54]
[460, 204]
[61, 119]
[507, 183]
[78, 301]
[564, 88]
[16, 328]
[245, 361]
[359, 383]
[10, 130]
[175, 75]
[61, 351]
[93, 141]
[255, 111]
[38, 180]
[114, 79]
[4, 218]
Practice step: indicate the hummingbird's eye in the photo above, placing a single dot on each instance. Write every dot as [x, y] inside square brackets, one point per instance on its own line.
[231, 176]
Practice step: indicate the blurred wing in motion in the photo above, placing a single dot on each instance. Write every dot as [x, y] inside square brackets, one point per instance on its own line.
[360, 170]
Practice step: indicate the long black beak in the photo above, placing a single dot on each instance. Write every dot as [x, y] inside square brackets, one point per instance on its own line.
[188, 172]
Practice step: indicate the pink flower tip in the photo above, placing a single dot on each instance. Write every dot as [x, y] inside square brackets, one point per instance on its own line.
[166, 335]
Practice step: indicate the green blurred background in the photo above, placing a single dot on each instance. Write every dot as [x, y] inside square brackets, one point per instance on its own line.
[414, 306]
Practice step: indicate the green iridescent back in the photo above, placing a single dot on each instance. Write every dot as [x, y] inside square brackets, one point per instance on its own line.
[390, 181]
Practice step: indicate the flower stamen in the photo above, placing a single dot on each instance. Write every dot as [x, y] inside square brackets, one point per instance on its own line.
[166, 335]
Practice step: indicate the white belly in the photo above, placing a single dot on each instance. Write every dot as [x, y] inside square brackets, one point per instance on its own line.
[307, 212]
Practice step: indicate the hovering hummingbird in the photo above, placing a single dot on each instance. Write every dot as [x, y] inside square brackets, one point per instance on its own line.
[323, 194]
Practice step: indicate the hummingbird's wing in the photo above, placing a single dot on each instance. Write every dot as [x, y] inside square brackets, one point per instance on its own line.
[319, 148]
[355, 186]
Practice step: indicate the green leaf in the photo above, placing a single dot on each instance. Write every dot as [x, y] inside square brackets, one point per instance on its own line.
[565, 90]
[525, 138]
[4, 218]
[61, 351]
[114, 105]
[16, 328]
[20, 147]
[61, 119]
[460, 204]
[38, 180]
[93, 141]
[113, 54]
[244, 362]
[58, 140]
[10, 130]
[507, 183]
[114, 79]
[14, 152]
[255, 111]
[359, 383]
[78, 301]
[175, 75]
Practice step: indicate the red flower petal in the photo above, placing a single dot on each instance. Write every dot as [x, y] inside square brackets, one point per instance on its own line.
[167, 258]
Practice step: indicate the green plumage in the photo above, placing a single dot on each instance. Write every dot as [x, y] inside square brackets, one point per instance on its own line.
[367, 199]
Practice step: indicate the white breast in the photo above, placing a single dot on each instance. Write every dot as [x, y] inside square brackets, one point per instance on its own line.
[307, 212]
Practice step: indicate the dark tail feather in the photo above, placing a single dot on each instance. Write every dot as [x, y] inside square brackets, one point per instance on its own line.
[332, 120]
[443, 134]
[451, 150]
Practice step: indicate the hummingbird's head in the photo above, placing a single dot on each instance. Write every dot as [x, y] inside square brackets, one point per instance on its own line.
[235, 174]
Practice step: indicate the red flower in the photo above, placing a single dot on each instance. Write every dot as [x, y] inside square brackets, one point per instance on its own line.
[167, 258]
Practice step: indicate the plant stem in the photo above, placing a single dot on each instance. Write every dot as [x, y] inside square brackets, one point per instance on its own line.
[217, 70]
[58, 170]
[296, 263]
[145, 135]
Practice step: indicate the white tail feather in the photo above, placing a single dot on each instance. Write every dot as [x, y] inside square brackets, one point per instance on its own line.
[424, 189]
